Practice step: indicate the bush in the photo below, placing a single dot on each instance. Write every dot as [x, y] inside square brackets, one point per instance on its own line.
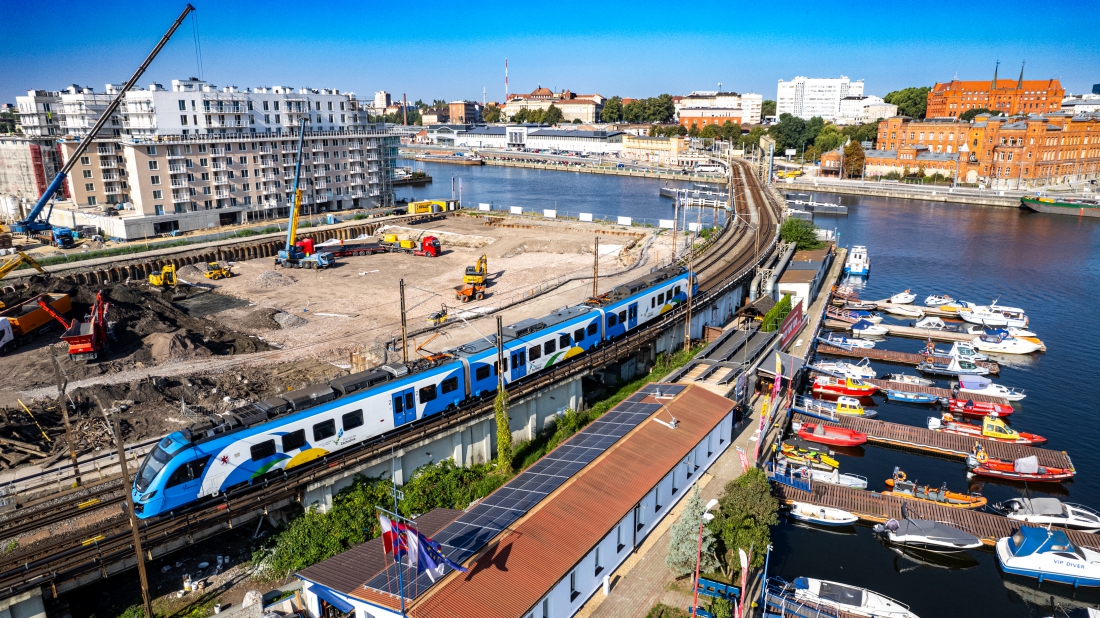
[746, 511]
[661, 610]
[801, 232]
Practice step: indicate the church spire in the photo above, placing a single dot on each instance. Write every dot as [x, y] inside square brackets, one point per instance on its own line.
[1020, 83]
[993, 86]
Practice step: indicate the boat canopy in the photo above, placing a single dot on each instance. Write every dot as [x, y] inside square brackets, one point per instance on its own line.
[1033, 540]
[974, 382]
[1040, 506]
[1027, 465]
[934, 530]
[862, 324]
[845, 595]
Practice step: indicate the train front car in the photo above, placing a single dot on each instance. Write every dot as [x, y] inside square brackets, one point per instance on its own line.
[168, 460]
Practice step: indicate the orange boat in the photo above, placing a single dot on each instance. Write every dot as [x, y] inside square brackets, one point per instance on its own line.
[903, 488]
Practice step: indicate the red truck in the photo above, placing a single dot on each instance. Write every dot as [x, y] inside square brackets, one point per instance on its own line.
[429, 247]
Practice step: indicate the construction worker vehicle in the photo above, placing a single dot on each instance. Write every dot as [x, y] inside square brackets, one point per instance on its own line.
[424, 207]
[19, 323]
[166, 280]
[300, 253]
[438, 317]
[476, 273]
[88, 338]
[215, 271]
[18, 261]
[467, 292]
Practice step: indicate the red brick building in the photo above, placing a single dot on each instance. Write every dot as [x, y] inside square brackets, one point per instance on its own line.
[1008, 96]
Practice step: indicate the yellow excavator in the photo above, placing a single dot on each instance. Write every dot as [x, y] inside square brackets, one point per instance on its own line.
[476, 274]
[18, 261]
[166, 280]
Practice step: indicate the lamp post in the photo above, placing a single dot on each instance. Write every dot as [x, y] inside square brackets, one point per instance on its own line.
[712, 505]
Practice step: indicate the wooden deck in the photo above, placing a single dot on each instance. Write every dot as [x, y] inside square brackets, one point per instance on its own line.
[933, 390]
[938, 442]
[909, 332]
[891, 356]
[872, 506]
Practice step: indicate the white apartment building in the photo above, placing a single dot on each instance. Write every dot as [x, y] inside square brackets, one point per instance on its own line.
[806, 97]
[744, 107]
[381, 101]
[864, 109]
[38, 113]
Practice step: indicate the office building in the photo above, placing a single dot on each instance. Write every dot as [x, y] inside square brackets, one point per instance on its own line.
[381, 100]
[864, 109]
[583, 107]
[805, 97]
[465, 111]
[705, 107]
[1008, 96]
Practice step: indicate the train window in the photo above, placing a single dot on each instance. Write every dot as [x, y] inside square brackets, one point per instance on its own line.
[263, 450]
[661, 298]
[612, 320]
[449, 385]
[633, 312]
[427, 393]
[652, 302]
[520, 357]
[410, 405]
[578, 335]
[353, 419]
[398, 407]
[324, 430]
[294, 440]
[496, 366]
[180, 476]
[677, 290]
[593, 329]
[622, 316]
[549, 346]
[535, 353]
[482, 373]
[563, 342]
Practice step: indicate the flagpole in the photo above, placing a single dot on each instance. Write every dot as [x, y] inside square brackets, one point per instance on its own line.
[400, 578]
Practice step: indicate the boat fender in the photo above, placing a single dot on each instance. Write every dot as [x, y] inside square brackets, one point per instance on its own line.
[934, 423]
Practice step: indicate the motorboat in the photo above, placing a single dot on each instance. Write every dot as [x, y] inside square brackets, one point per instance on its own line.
[907, 397]
[1005, 344]
[969, 407]
[931, 322]
[833, 477]
[1020, 333]
[935, 300]
[849, 599]
[820, 515]
[863, 328]
[852, 387]
[857, 264]
[938, 365]
[1048, 555]
[831, 435]
[977, 385]
[863, 314]
[1047, 511]
[905, 378]
[799, 451]
[840, 341]
[904, 311]
[992, 428]
[862, 369]
[927, 534]
[903, 298]
[860, 305]
[954, 306]
[846, 406]
[1026, 469]
[963, 350]
[994, 315]
[910, 490]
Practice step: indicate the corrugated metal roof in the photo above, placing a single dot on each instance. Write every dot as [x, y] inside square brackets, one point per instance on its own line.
[527, 560]
[347, 571]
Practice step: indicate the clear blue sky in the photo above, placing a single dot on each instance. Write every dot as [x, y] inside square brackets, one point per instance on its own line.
[634, 49]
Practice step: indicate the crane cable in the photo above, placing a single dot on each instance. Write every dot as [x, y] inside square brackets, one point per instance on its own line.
[198, 45]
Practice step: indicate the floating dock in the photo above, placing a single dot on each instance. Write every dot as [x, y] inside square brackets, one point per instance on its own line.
[891, 356]
[911, 332]
[933, 390]
[818, 207]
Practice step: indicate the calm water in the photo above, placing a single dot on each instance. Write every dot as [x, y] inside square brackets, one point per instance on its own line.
[1047, 264]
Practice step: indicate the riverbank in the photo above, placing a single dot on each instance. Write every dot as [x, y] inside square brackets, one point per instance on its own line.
[927, 194]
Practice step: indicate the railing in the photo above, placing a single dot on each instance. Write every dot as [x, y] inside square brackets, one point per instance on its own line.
[218, 166]
[175, 168]
[111, 189]
[221, 180]
[109, 176]
[108, 162]
[782, 475]
[779, 597]
[215, 151]
[178, 183]
[265, 149]
[221, 193]
[105, 151]
[180, 197]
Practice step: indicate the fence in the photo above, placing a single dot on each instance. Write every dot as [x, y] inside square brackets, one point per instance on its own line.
[714, 218]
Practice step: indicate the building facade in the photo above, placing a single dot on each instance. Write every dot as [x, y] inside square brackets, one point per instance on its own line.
[583, 107]
[806, 97]
[465, 111]
[940, 135]
[701, 117]
[708, 104]
[1008, 96]
[864, 109]
[27, 165]
[670, 151]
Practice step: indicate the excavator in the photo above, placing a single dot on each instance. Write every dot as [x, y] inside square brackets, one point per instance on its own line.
[476, 274]
[18, 261]
[166, 280]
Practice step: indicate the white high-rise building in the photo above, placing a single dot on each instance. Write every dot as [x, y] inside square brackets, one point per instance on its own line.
[381, 100]
[807, 97]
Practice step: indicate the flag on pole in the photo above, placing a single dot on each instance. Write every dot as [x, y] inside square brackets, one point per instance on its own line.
[393, 538]
[427, 556]
[744, 459]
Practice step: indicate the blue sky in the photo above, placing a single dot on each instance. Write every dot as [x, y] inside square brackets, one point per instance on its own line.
[634, 49]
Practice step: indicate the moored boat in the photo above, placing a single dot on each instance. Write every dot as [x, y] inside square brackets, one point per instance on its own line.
[1048, 555]
[910, 490]
[851, 387]
[905, 311]
[1004, 344]
[847, 406]
[857, 264]
[938, 365]
[820, 515]
[992, 428]
[963, 350]
[977, 385]
[831, 435]
[969, 407]
[1026, 469]
[994, 315]
[840, 341]
[903, 298]
[849, 599]
[927, 534]
[1047, 511]
[907, 397]
[931, 322]
[1076, 208]
[833, 476]
[802, 452]
[905, 378]
[862, 369]
[864, 328]
[935, 300]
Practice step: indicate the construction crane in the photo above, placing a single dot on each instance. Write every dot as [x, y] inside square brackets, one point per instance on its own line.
[34, 222]
[18, 261]
[299, 254]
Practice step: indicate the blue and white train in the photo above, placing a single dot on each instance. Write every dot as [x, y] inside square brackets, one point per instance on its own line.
[278, 434]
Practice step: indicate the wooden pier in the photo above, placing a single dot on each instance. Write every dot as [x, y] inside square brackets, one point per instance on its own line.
[874, 507]
[938, 442]
[891, 356]
[933, 390]
[910, 332]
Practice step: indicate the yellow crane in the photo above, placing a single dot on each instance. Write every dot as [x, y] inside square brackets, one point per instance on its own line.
[18, 261]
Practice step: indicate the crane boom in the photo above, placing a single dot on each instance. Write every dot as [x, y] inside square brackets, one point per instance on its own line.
[292, 226]
[31, 222]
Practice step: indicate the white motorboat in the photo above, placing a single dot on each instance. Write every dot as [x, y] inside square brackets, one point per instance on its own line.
[834, 477]
[1005, 345]
[931, 322]
[840, 341]
[1046, 511]
[905, 378]
[873, 318]
[952, 367]
[863, 328]
[1048, 555]
[861, 370]
[820, 515]
[994, 316]
[1011, 330]
[927, 534]
[935, 300]
[984, 386]
[905, 311]
[851, 599]
[962, 350]
[857, 264]
[903, 298]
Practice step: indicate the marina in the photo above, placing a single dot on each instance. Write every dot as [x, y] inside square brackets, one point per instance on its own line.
[910, 332]
[893, 356]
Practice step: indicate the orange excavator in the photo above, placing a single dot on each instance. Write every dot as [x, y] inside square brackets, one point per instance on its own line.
[88, 338]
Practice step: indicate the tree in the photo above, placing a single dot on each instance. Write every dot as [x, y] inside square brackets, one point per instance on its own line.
[504, 433]
[746, 510]
[711, 131]
[683, 543]
[730, 131]
[552, 115]
[660, 109]
[612, 110]
[788, 131]
[693, 131]
[800, 232]
[577, 121]
[439, 103]
[829, 138]
[491, 113]
[520, 116]
[634, 112]
[854, 159]
[420, 104]
[753, 138]
[911, 102]
[969, 114]
[767, 108]
[862, 132]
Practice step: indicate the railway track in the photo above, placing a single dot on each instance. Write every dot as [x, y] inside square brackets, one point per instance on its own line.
[60, 558]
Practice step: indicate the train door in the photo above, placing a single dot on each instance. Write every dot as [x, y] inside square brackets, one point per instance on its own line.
[404, 407]
[632, 316]
[519, 363]
[182, 485]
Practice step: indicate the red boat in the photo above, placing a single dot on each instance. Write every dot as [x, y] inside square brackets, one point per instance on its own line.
[969, 407]
[1026, 469]
[829, 434]
[852, 387]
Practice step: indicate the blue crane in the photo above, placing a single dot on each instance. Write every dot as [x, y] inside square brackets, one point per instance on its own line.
[295, 255]
[34, 222]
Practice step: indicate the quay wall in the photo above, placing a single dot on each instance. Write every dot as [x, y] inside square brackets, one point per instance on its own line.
[937, 195]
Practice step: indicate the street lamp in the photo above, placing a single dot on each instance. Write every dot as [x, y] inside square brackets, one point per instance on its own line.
[711, 506]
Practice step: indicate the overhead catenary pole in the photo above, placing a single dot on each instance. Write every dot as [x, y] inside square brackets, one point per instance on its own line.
[596, 269]
[404, 328]
[690, 295]
[500, 354]
[146, 599]
[61, 386]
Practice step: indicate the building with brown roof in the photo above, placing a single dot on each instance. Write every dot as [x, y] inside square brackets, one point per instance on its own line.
[1008, 96]
[573, 106]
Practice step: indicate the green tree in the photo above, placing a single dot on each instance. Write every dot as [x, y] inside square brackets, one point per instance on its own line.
[552, 115]
[577, 121]
[730, 131]
[693, 131]
[829, 138]
[911, 102]
[504, 433]
[521, 116]
[491, 113]
[753, 138]
[746, 511]
[612, 109]
[660, 109]
[767, 108]
[854, 160]
[969, 114]
[420, 104]
[800, 232]
[788, 132]
[862, 132]
[711, 131]
[683, 543]
[439, 103]
[634, 112]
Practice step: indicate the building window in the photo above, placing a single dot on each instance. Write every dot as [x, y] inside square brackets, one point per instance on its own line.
[546, 608]
[158, 194]
[599, 567]
[87, 173]
[158, 209]
[85, 161]
[573, 592]
[154, 180]
[619, 538]
[89, 187]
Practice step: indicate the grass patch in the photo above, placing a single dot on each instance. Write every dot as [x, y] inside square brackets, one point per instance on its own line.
[661, 610]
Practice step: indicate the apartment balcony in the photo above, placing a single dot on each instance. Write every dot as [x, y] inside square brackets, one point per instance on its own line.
[271, 191]
[218, 166]
[110, 176]
[318, 148]
[221, 180]
[355, 146]
[320, 184]
[270, 176]
[354, 157]
[266, 163]
[356, 194]
[265, 149]
[221, 193]
[179, 183]
[217, 151]
[176, 168]
[111, 189]
[105, 152]
[108, 163]
[180, 197]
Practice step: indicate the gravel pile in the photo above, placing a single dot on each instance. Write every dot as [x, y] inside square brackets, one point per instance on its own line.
[270, 280]
[289, 320]
[191, 271]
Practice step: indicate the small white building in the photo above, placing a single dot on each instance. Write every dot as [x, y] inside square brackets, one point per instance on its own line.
[861, 109]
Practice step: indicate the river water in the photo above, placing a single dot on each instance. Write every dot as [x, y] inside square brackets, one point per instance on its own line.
[1047, 264]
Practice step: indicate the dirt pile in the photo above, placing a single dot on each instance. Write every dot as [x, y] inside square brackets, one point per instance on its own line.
[164, 347]
[191, 272]
[289, 320]
[270, 280]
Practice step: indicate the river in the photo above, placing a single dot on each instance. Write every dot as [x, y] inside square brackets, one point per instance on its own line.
[1047, 264]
